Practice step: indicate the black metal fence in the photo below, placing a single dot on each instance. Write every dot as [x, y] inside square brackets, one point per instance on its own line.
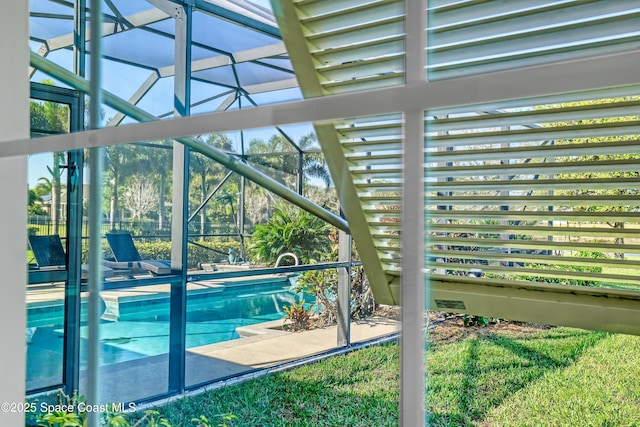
[43, 225]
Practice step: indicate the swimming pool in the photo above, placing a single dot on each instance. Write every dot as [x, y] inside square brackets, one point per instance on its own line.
[140, 326]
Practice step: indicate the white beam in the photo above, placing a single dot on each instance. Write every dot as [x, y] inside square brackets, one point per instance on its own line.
[198, 65]
[230, 99]
[170, 8]
[14, 124]
[247, 9]
[137, 20]
[545, 80]
[271, 86]
[223, 60]
[260, 52]
[136, 97]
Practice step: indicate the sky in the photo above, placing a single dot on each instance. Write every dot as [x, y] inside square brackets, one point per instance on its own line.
[123, 80]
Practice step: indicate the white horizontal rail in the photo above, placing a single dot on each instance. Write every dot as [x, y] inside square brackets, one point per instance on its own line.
[546, 80]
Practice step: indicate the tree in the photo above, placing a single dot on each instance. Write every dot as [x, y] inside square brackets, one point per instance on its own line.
[140, 197]
[226, 199]
[121, 162]
[285, 161]
[207, 174]
[51, 118]
[34, 206]
[278, 158]
[161, 159]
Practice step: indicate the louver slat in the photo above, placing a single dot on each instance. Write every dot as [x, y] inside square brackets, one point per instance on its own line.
[543, 193]
[477, 37]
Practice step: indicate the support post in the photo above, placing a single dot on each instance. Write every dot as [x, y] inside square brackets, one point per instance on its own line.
[412, 338]
[95, 220]
[75, 214]
[241, 216]
[75, 167]
[300, 172]
[344, 290]
[180, 212]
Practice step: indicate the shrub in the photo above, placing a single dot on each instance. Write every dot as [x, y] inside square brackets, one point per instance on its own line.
[73, 413]
[291, 229]
[196, 254]
[323, 285]
[578, 268]
[298, 316]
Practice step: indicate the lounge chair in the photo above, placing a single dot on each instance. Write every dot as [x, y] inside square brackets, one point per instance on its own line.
[49, 254]
[126, 256]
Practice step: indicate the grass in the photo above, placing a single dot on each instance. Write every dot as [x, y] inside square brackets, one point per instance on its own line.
[358, 389]
[556, 377]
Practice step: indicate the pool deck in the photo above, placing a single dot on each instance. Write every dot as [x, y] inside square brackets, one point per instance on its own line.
[270, 346]
[266, 344]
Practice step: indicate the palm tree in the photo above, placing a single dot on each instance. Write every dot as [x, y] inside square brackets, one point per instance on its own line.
[34, 202]
[121, 162]
[50, 118]
[56, 190]
[226, 198]
[53, 187]
[208, 173]
[161, 162]
[285, 161]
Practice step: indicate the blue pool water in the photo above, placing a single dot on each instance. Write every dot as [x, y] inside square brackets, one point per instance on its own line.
[142, 326]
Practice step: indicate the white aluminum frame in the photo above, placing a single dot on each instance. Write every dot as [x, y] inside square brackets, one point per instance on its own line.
[14, 124]
[545, 80]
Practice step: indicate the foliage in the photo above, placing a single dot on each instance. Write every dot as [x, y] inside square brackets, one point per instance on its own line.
[297, 315]
[34, 203]
[73, 413]
[283, 163]
[226, 199]
[362, 301]
[203, 421]
[66, 412]
[51, 118]
[279, 159]
[121, 161]
[196, 254]
[473, 320]
[595, 172]
[323, 286]
[595, 268]
[291, 229]
[205, 175]
[161, 161]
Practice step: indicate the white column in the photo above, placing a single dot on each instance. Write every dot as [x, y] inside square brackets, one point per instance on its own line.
[412, 378]
[14, 124]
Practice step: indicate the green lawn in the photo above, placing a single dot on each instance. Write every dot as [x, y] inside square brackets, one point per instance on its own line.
[558, 377]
